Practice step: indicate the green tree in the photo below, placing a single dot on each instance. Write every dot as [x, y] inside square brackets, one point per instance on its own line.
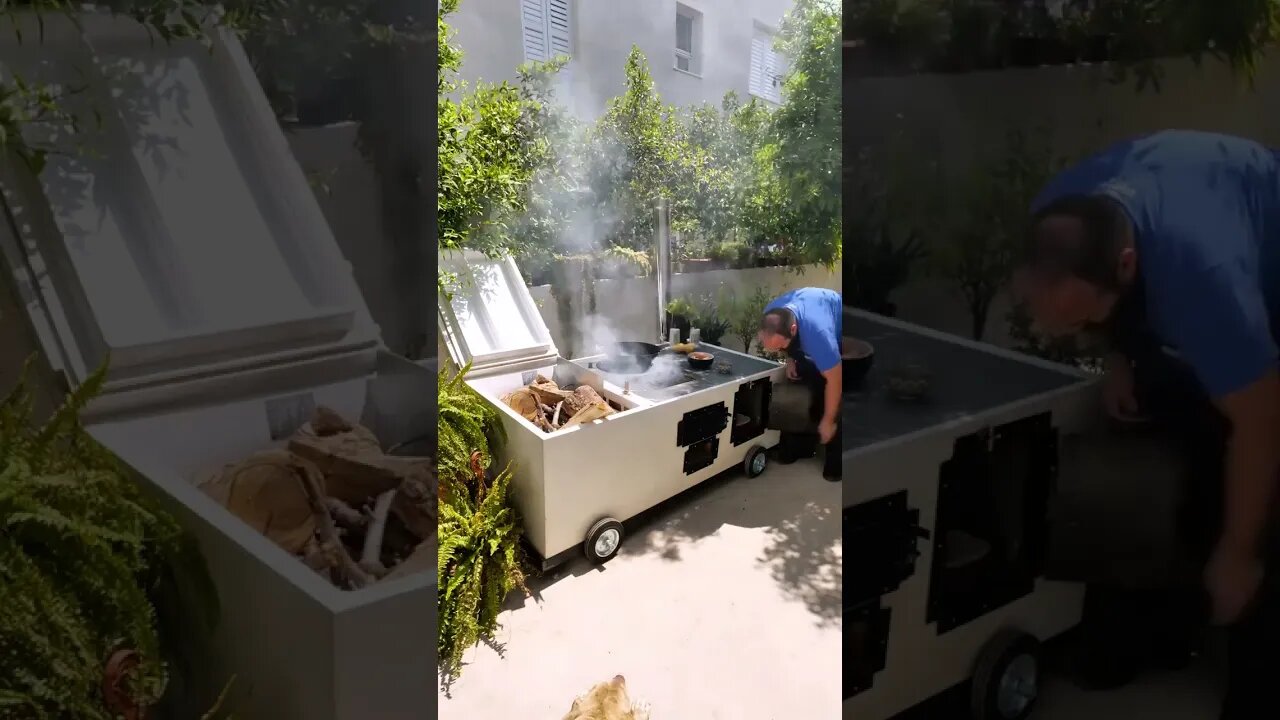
[488, 152]
[984, 252]
[727, 139]
[636, 155]
[797, 201]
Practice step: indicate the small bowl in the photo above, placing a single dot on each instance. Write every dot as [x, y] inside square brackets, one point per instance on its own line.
[856, 359]
[701, 360]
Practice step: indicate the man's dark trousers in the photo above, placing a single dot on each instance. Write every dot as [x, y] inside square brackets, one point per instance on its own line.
[802, 445]
[1175, 403]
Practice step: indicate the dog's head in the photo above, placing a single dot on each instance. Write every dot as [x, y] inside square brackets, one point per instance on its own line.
[606, 701]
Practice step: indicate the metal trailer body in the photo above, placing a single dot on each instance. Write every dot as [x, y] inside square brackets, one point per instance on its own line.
[665, 440]
[977, 459]
[185, 244]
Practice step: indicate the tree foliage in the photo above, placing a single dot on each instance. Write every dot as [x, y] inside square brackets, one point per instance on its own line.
[306, 52]
[963, 35]
[491, 143]
[518, 173]
[987, 237]
[801, 166]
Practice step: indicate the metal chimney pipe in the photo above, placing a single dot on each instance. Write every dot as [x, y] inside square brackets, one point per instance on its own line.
[662, 269]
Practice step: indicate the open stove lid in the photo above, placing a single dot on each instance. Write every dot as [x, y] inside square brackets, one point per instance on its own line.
[488, 317]
[173, 233]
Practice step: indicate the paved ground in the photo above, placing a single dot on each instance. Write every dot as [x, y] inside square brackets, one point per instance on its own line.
[1187, 695]
[724, 606]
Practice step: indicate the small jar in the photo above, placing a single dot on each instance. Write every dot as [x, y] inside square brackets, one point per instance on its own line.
[673, 336]
[695, 336]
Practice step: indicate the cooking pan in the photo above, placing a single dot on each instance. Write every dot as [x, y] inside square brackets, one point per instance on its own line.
[629, 358]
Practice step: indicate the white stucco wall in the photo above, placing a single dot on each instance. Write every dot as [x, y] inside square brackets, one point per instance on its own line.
[629, 308]
[603, 31]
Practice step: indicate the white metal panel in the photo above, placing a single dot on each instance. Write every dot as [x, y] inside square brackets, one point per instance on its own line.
[488, 317]
[174, 232]
[920, 662]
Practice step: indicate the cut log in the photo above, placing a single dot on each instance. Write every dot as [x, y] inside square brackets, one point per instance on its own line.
[416, 501]
[344, 514]
[370, 559]
[267, 492]
[352, 476]
[590, 413]
[325, 422]
[524, 402]
[547, 392]
[583, 396]
[344, 567]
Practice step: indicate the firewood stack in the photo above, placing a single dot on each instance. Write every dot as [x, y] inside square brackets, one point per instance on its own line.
[552, 408]
[333, 498]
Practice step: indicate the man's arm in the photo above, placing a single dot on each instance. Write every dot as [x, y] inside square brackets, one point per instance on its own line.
[1226, 337]
[834, 389]
[1253, 462]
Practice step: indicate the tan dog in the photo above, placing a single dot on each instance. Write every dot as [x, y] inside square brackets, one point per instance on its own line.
[607, 701]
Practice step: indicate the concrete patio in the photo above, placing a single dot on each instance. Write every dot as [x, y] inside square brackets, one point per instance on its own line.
[723, 604]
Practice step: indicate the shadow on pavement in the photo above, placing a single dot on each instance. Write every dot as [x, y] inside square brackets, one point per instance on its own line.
[793, 504]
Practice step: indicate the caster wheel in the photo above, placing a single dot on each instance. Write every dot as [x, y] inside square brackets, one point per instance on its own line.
[755, 462]
[603, 540]
[1006, 678]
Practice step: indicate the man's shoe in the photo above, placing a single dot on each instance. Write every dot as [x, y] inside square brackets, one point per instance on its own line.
[794, 447]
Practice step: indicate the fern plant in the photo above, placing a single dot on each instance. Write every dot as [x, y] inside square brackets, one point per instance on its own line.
[85, 560]
[480, 560]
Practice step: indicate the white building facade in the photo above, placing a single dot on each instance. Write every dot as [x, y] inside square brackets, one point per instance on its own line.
[697, 49]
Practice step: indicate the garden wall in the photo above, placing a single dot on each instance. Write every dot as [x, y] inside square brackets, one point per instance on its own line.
[629, 306]
[954, 115]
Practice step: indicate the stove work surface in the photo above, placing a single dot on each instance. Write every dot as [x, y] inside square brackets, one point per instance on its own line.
[671, 377]
[966, 381]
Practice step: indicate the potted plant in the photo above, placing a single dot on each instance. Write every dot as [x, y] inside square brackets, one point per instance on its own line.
[680, 313]
[981, 257]
[708, 317]
[893, 208]
[744, 318]
[879, 268]
[726, 254]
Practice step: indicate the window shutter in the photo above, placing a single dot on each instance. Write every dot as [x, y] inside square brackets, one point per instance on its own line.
[756, 83]
[559, 27]
[533, 22]
[773, 76]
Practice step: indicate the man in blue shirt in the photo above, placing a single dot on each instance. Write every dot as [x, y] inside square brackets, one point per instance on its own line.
[1172, 242]
[806, 324]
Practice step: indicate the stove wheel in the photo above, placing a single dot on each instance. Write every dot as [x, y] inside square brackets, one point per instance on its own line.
[603, 540]
[755, 462]
[1006, 679]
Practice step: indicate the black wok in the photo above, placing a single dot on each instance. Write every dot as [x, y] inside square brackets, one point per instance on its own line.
[629, 358]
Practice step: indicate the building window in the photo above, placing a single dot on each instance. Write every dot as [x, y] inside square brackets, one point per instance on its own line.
[547, 29]
[767, 67]
[688, 40]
